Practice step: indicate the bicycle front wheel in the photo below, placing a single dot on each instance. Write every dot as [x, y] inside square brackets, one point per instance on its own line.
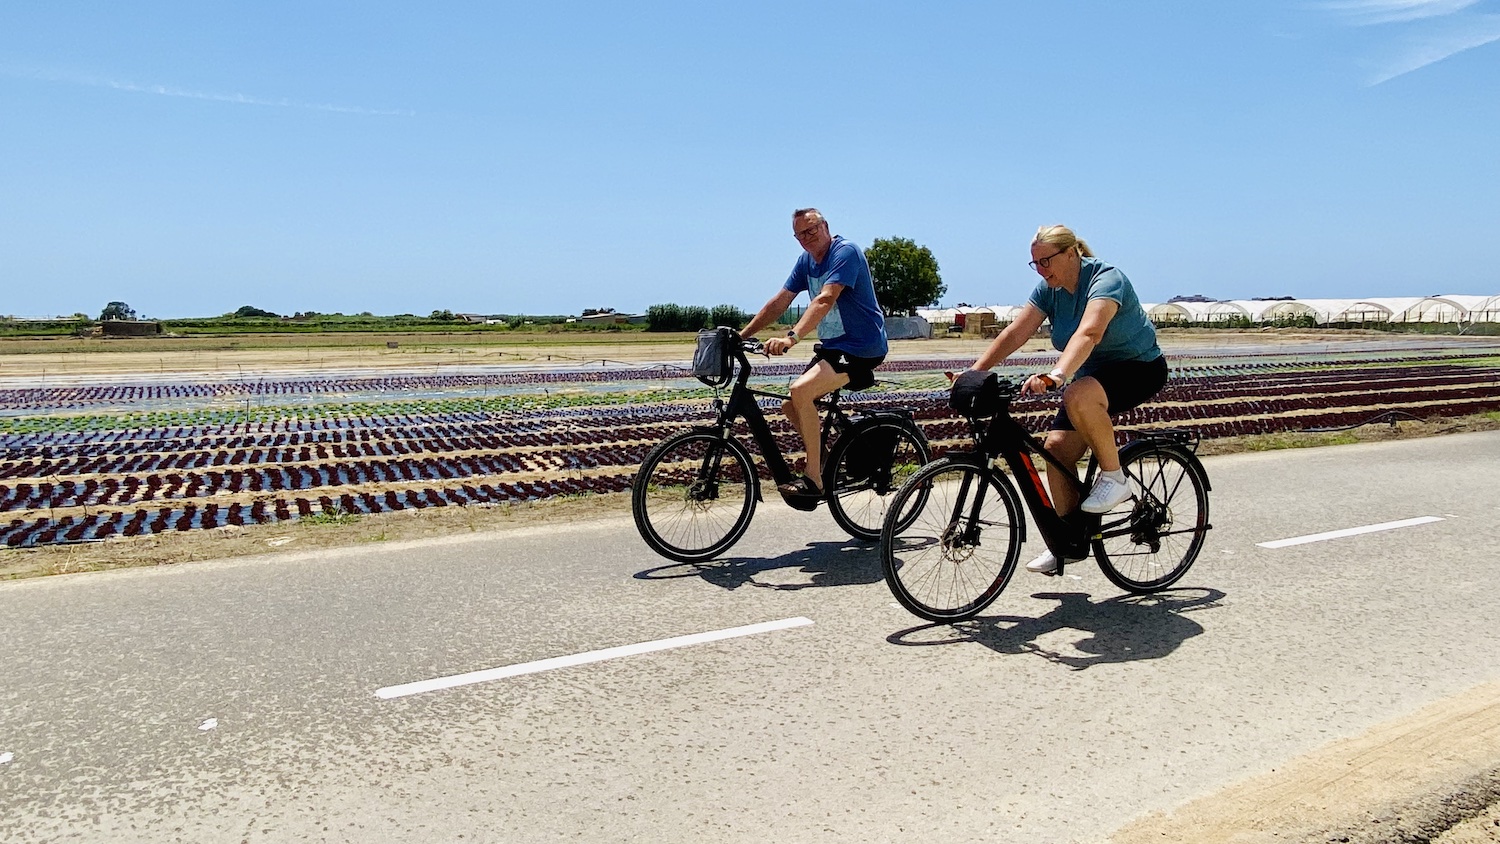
[694, 496]
[1149, 542]
[866, 468]
[951, 539]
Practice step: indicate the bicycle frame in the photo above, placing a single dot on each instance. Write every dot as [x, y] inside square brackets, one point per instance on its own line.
[1069, 536]
[1065, 536]
[963, 549]
[742, 405]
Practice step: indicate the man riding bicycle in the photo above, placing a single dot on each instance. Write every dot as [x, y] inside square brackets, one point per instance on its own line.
[850, 326]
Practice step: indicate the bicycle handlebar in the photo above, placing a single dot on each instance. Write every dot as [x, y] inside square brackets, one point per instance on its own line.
[748, 345]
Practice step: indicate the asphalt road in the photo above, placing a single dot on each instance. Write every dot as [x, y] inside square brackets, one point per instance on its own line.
[237, 700]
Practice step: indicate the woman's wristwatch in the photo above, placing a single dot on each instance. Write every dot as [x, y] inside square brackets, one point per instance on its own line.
[1055, 379]
[792, 336]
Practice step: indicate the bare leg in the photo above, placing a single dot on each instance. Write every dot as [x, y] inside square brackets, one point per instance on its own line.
[803, 414]
[1068, 447]
[1088, 409]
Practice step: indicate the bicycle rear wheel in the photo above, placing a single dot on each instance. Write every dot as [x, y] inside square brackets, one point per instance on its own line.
[1149, 542]
[951, 539]
[694, 496]
[866, 468]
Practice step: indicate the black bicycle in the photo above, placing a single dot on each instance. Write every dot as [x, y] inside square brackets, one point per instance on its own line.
[954, 532]
[696, 492]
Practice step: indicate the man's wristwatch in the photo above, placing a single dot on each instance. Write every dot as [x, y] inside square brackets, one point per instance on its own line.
[792, 336]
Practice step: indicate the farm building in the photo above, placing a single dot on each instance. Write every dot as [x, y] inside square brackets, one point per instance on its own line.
[1451, 308]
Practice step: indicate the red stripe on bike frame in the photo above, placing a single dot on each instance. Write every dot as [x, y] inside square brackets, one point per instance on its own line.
[1036, 480]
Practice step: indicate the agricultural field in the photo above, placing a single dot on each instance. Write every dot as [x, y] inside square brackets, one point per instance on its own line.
[104, 449]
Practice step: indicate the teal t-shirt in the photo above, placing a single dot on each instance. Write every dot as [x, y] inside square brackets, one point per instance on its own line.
[1129, 336]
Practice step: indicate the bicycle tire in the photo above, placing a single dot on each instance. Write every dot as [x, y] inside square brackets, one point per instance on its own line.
[858, 504]
[1149, 542]
[694, 495]
[935, 558]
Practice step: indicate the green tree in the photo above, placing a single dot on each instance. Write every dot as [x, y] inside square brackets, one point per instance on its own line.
[117, 310]
[250, 311]
[905, 275]
[727, 315]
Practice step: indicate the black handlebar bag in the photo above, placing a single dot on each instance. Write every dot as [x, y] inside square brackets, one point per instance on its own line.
[711, 363]
[976, 394]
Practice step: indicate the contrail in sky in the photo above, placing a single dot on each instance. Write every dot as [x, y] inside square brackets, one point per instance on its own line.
[1367, 12]
[1445, 29]
[171, 91]
[1476, 31]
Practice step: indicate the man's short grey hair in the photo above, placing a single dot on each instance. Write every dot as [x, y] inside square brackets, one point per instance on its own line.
[814, 213]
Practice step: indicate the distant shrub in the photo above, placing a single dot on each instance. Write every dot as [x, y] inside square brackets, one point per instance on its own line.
[673, 317]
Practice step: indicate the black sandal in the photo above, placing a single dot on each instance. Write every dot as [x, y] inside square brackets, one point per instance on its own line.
[801, 487]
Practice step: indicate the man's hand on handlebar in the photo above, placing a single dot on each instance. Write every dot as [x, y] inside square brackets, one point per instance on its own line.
[753, 346]
[779, 345]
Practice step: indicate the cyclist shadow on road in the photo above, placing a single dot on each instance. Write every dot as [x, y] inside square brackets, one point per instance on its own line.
[1125, 628]
[819, 564]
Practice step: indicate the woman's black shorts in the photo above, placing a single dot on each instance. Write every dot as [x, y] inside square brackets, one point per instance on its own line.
[861, 371]
[1127, 383]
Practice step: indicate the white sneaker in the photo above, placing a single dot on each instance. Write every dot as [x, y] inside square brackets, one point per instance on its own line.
[1045, 564]
[1107, 495]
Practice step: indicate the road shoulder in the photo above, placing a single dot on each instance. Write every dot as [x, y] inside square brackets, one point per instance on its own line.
[1408, 779]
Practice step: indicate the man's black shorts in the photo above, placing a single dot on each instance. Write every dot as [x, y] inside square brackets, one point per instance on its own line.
[1127, 383]
[861, 371]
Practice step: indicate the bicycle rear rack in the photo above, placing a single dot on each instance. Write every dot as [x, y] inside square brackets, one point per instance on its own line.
[1181, 436]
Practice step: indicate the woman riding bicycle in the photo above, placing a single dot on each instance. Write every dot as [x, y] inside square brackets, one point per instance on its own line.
[1106, 341]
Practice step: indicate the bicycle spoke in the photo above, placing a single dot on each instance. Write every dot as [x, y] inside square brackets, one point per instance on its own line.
[694, 496]
[1150, 541]
[868, 467]
[946, 562]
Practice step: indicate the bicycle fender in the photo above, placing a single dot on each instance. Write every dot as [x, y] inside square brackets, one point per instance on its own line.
[898, 413]
[971, 457]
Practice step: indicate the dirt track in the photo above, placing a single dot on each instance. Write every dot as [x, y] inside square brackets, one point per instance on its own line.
[36, 358]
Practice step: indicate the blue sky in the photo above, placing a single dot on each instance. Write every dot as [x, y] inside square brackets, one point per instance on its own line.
[190, 158]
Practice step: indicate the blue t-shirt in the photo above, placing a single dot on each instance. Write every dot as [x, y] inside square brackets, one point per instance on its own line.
[855, 325]
[1129, 335]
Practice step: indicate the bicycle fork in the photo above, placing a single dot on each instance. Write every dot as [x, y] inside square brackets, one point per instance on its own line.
[968, 537]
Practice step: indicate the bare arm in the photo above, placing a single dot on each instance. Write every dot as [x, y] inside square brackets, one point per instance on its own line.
[816, 310]
[769, 312]
[1096, 317]
[1012, 337]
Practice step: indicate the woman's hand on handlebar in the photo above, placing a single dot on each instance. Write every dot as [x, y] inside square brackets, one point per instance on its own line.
[1040, 383]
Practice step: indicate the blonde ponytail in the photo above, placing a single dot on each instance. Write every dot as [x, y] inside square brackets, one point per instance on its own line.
[1062, 238]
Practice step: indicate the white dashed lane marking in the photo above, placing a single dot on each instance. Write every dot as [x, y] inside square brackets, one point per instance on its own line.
[501, 673]
[1354, 531]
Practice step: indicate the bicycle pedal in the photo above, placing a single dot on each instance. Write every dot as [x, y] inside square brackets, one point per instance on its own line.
[805, 503]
